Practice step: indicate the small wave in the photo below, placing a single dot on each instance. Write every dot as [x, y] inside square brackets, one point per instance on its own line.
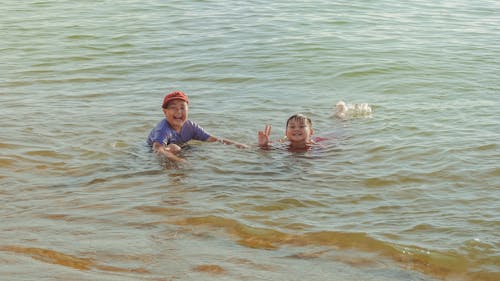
[81, 37]
[442, 264]
[288, 203]
[54, 257]
[210, 268]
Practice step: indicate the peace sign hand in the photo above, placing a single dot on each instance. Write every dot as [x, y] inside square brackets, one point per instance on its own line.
[263, 136]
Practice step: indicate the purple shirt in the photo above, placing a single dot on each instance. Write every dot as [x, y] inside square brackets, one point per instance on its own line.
[163, 133]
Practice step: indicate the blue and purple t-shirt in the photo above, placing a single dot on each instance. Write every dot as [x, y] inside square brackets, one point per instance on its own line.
[163, 133]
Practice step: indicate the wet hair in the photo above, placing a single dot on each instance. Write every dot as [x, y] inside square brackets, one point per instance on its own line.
[299, 117]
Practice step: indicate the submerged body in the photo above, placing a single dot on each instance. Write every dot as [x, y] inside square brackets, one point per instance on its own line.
[171, 133]
[298, 135]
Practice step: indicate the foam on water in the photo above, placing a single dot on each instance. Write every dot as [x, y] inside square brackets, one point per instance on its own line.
[345, 110]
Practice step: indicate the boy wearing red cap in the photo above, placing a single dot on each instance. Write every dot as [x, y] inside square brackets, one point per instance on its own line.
[175, 129]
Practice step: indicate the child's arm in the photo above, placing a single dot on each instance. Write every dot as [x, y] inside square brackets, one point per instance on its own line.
[161, 149]
[263, 136]
[226, 141]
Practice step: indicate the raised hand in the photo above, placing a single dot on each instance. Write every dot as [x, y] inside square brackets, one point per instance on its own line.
[263, 136]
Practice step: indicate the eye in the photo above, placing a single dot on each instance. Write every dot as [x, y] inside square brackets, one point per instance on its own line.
[175, 108]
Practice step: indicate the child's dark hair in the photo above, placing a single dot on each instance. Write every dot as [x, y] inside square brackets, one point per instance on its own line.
[299, 117]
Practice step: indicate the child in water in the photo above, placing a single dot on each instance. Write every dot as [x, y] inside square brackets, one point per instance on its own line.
[298, 134]
[172, 132]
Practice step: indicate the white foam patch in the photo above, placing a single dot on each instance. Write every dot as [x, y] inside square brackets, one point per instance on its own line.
[345, 110]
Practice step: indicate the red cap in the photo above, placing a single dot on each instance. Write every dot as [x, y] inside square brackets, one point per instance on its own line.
[177, 95]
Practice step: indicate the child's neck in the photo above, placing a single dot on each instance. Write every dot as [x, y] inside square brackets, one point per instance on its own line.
[175, 127]
[300, 144]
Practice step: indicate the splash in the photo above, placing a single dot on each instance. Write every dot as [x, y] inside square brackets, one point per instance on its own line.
[345, 110]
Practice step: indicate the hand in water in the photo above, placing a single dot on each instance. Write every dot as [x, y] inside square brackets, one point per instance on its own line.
[241, 145]
[263, 136]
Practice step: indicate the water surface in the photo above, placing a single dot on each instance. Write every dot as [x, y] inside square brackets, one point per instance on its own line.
[409, 193]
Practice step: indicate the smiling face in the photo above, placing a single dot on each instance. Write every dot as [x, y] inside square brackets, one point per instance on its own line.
[299, 131]
[176, 113]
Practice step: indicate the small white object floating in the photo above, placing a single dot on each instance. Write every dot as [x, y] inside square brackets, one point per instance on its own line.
[344, 110]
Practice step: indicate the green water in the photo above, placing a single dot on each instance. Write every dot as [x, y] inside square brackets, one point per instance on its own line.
[408, 193]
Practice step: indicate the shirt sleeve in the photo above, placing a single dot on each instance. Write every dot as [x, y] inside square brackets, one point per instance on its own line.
[199, 133]
[157, 134]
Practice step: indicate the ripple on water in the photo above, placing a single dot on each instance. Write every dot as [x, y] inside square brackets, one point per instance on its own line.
[438, 263]
[414, 185]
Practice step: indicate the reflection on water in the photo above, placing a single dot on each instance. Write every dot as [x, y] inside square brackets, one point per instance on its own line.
[274, 209]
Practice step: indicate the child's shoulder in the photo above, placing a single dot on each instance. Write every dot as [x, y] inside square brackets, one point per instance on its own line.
[320, 139]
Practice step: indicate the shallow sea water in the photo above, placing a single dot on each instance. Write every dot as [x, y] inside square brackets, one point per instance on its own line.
[408, 193]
